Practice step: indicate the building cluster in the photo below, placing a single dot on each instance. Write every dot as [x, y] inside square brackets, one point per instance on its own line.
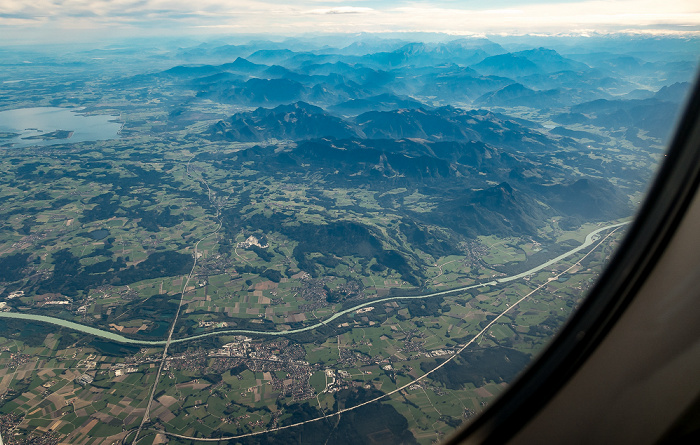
[84, 379]
[212, 324]
[436, 353]
[296, 382]
[314, 291]
[474, 250]
[219, 365]
[212, 265]
[8, 422]
[125, 370]
[239, 420]
[278, 356]
[17, 360]
[335, 380]
[195, 361]
[238, 348]
[414, 341]
[57, 300]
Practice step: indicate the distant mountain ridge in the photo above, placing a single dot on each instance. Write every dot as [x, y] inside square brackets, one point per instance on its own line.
[449, 123]
[436, 115]
[513, 207]
[516, 95]
[295, 121]
[301, 120]
[381, 102]
[470, 70]
[654, 116]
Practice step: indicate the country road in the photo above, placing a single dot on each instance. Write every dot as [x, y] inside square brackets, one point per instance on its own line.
[164, 356]
[462, 348]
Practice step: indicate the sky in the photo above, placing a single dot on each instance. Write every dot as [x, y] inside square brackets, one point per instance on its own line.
[56, 20]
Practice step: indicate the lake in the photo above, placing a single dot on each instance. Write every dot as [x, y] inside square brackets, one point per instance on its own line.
[40, 126]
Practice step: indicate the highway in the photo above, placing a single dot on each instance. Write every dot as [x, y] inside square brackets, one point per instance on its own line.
[590, 238]
[164, 357]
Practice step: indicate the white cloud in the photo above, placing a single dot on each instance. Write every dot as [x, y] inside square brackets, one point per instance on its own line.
[502, 11]
[287, 16]
[341, 10]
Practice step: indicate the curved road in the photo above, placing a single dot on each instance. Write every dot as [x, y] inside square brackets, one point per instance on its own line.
[590, 238]
[400, 388]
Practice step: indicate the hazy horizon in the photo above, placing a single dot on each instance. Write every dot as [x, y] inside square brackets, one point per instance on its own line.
[70, 21]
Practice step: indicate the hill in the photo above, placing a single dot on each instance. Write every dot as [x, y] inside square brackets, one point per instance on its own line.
[296, 121]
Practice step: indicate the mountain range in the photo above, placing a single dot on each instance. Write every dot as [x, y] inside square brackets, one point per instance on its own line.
[440, 116]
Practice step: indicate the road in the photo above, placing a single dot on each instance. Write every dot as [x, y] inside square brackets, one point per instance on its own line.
[164, 357]
[121, 339]
[461, 349]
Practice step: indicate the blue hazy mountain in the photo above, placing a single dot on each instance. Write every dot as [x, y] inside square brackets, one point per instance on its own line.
[675, 93]
[477, 71]
[301, 120]
[400, 112]
[657, 72]
[589, 81]
[507, 65]
[256, 91]
[550, 61]
[220, 78]
[578, 134]
[463, 52]
[296, 121]
[360, 74]
[280, 72]
[369, 45]
[449, 123]
[271, 56]
[656, 117]
[526, 63]
[192, 71]
[453, 83]
[518, 95]
[238, 66]
[381, 102]
[586, 199]
[241, 65]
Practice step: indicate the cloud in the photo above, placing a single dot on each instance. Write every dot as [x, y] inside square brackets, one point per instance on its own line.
[564, 17]
[298, 17]
[503, 11]
[341, 10]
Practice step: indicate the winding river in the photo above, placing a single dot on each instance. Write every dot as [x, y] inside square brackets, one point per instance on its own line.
[590, 239]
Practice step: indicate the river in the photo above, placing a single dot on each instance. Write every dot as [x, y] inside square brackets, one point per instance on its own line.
[590, 239]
